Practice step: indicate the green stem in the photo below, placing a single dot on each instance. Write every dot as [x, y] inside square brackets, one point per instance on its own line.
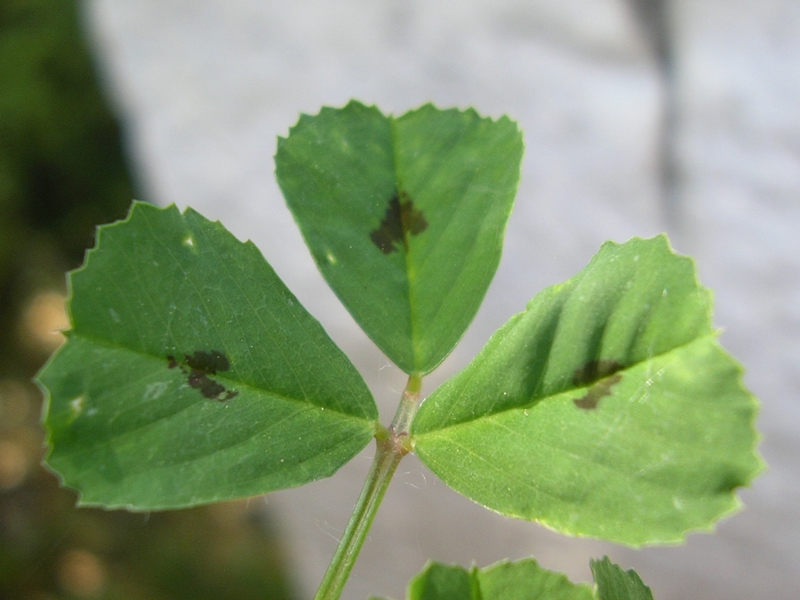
[392, 445]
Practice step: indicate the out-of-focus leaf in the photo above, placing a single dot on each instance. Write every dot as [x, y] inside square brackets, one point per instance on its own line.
[615, 584]
[521, 580]
[441, 582]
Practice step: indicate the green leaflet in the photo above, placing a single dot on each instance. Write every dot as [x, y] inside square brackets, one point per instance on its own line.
[192, 375]
[606, 409]
[404, 217]
[440, 582]
[615, 584]
[522, 580]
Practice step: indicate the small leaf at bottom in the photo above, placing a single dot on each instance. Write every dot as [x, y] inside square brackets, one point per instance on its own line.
[615, 584]
[521, 580]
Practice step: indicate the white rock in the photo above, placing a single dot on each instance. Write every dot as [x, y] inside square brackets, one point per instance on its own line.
[205, 87]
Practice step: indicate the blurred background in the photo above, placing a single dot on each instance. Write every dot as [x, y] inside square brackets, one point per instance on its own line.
[639, 116]
[63, 170]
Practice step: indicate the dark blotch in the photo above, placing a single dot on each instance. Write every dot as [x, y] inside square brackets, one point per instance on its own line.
[600, 372]
[208, 387]
[401, 218]
[599, 390]
[202, 364]
[594, 370]
[210, 362]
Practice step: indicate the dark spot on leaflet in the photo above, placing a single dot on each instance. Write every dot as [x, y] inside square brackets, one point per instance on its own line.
[600, 372]
[208, 387]
[200, 365]
[401, 219]
[599, 390]
[594, 370]
[210, 362]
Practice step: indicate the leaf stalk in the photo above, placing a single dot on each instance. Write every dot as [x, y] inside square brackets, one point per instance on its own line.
[392, 445]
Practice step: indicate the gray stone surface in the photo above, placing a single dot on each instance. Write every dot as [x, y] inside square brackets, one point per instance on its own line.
[205, 87]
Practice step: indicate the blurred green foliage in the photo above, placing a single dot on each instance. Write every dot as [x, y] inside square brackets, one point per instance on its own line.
[62, 169]
[51, 550]
[62, 173]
